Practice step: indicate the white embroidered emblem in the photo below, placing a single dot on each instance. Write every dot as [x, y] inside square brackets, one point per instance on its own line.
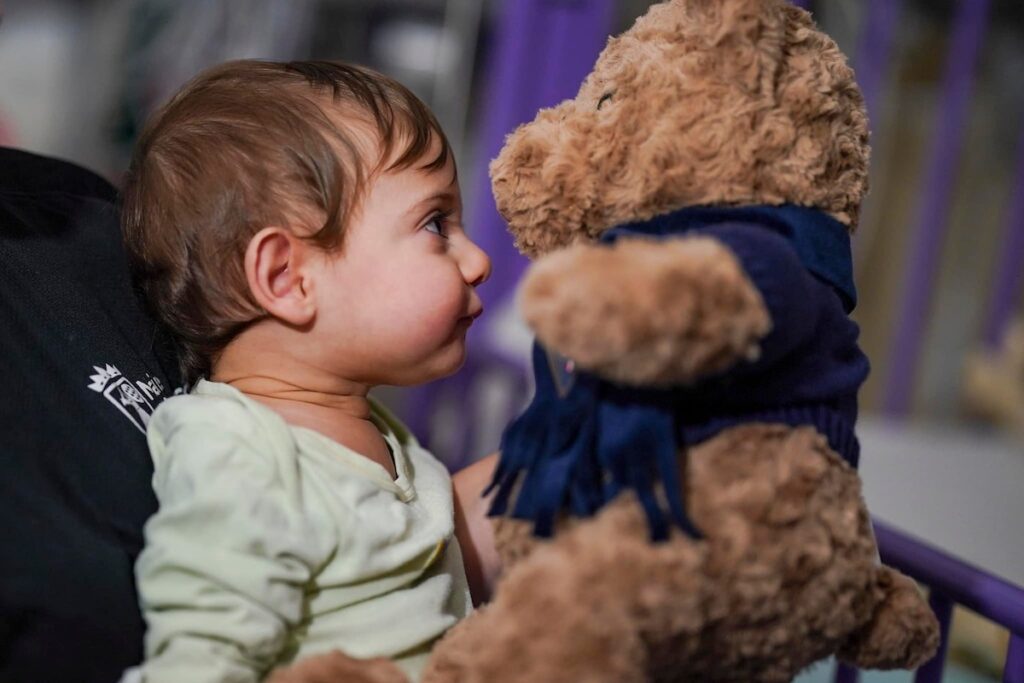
[135, 401]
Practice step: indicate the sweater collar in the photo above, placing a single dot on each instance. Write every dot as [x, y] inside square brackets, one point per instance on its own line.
[821, 242]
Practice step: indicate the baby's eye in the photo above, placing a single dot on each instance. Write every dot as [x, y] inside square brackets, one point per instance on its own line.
[604, 98]
[438, 225]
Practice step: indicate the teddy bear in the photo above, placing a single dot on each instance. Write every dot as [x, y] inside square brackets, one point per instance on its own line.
[680, 501]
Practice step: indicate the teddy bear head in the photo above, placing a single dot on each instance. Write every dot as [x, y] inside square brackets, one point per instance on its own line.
[701, 102]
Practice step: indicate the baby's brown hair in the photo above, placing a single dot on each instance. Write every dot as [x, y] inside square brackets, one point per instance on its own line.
[247, 145]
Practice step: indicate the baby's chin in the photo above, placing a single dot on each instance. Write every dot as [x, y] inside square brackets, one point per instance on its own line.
[452, 355]
[452, 360]
[443, 363]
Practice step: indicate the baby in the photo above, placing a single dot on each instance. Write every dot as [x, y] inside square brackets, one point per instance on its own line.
[298, 228]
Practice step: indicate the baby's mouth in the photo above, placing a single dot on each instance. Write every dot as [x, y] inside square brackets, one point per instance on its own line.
[473, 315]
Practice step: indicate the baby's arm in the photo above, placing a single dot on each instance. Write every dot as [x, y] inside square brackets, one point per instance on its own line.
[474, 529]
[230, 551]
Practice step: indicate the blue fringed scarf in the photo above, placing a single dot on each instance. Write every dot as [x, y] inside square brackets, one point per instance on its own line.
[583, 439]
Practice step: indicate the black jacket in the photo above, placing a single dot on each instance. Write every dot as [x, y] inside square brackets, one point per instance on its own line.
[79, 373]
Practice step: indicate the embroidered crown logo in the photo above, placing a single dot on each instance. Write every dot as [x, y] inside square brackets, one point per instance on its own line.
[103, 376]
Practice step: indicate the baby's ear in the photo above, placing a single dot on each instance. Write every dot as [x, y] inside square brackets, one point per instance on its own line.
[276, 278]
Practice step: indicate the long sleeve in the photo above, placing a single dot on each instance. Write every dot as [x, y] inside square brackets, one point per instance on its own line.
[795, 299]
[229, 553]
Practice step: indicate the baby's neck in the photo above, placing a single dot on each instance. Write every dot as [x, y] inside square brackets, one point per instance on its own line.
[295, 400]
[333, 406]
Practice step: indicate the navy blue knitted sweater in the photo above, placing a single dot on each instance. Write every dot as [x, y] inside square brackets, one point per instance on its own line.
[583, 439]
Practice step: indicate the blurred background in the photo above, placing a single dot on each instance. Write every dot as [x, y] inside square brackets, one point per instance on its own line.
[939, 256]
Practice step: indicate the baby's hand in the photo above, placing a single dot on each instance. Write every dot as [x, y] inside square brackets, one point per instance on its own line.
[337, 667]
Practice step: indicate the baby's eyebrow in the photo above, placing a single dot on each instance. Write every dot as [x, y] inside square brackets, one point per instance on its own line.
[443, 197]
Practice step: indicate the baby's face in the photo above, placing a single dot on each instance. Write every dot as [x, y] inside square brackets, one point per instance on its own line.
[394, 305]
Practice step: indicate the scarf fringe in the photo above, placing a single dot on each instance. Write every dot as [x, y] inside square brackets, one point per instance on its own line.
[577, 452]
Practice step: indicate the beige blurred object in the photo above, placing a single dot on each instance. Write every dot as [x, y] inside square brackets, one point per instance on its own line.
[994, 381]
[977, 643]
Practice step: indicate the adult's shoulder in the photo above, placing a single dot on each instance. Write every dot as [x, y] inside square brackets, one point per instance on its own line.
[23, 172]
[83, 374]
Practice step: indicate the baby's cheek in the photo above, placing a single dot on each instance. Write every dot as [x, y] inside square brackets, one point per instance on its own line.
[437, 305]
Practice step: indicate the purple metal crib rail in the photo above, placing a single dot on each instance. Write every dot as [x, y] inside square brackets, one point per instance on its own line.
[952, 581]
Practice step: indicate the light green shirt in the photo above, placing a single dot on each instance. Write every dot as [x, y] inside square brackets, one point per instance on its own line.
[273, 543]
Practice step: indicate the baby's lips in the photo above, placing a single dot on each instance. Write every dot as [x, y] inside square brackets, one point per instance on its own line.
[476, 309]
[471, 317]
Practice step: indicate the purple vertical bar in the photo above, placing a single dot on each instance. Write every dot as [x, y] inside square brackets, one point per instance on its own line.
[874, 48]
[803, 4]
[519, 31]
[931, 672]
[926, 242]
[846, 674]
[544, 49]
[1010, 272]
[1013, 669]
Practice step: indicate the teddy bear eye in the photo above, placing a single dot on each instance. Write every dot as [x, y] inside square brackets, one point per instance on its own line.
[604, 98]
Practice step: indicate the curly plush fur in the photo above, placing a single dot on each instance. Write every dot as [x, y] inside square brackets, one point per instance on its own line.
[701, 102]
[335, 666]
[704, 102]
[786, 576]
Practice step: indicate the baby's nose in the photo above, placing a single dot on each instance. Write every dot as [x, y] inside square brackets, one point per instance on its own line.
[476, 265]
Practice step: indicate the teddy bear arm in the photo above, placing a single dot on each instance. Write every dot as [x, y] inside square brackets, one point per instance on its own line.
[647, 312]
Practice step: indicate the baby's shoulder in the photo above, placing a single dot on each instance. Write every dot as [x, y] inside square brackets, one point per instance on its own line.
[215, 428]
[186, 410]
[192, 416]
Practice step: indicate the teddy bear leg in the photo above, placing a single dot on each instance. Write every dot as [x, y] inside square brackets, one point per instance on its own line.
[579, 609]
[541, 627]
[903, 633]
[514, 540]
[452, 658]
